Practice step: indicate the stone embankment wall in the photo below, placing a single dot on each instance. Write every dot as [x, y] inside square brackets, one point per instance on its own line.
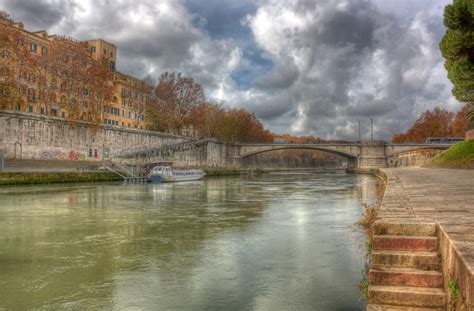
[23, 136]
[209, 153]
[470, 135]
[413, 158]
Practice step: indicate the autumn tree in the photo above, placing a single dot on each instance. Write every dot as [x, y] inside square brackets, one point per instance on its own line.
[14, 61]
[435, 123]
[205, 118]
[176, 97]
[457, 47]
[461, 122]
[67, 78]
[308, 139]
[239, 125]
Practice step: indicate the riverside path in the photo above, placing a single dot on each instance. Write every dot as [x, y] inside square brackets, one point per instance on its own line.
[424, 241]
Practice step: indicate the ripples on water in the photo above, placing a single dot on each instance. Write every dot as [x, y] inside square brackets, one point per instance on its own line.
[270, 242]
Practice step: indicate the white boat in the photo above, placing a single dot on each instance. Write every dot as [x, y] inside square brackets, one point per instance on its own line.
[165, 173]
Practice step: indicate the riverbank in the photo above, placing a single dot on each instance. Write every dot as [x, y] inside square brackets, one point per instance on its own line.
[424, 241]
[58, 176]
[55, 177]
[460, 156]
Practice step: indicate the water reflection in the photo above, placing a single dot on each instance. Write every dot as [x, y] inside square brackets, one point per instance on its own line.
[276, 241]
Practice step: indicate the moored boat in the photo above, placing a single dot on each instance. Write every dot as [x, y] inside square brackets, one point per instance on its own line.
[165, 173]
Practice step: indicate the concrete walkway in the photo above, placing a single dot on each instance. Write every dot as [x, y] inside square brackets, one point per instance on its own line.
[444, 197]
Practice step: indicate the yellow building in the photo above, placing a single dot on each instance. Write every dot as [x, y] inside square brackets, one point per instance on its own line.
[127, 108]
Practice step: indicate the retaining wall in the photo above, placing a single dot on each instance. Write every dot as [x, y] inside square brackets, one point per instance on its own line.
[26, 136]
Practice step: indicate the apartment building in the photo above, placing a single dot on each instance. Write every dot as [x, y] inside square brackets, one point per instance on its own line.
[127, 108]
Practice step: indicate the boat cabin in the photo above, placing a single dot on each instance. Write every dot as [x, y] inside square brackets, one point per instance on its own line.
[162, 170]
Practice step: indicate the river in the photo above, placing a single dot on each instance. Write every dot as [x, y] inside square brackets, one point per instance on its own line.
[267, 242]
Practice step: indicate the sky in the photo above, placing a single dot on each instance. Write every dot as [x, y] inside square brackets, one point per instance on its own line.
[304, 67]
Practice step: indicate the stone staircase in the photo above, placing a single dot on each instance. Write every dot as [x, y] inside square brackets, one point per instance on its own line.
[405, 272]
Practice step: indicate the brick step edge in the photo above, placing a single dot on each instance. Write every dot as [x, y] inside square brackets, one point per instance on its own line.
[405, 243]
[407, 296]
[403, 227]
[405, 259]
[405, 277]
[373, 307]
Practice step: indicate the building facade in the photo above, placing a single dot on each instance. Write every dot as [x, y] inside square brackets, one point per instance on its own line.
[126, 108]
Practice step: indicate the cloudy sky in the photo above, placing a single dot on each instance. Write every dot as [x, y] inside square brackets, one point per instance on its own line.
[302, 66]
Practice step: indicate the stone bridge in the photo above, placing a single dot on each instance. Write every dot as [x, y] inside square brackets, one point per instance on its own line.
[211, 152]
[359, 155]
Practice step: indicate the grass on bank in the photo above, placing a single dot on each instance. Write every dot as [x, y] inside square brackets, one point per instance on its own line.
[60, 177]
[460, 155]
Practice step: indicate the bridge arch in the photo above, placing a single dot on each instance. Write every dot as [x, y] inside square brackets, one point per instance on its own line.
[340, 153]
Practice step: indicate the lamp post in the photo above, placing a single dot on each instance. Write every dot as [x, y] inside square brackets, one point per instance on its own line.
[371, 130]
[360, 139]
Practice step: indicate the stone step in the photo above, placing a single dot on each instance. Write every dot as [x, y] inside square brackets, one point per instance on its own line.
[405, 227]
[404, 259]
[405, 243]
[405, 277]
[373, 307]
[407, 296]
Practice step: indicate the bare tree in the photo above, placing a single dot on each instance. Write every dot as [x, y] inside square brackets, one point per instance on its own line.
[176, 96]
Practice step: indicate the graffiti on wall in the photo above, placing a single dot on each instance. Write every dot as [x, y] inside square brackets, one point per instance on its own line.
[48, 154]
[51, 154]
[76, 156]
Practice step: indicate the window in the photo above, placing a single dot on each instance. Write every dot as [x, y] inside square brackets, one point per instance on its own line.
[44, 51]
[63, 114]
[129, 114]
[31, 94]
[105, 52]
[111, 54]
[42, 110]
[30, 108]
[124, 102]
[33, 47]
[93, 49]
[5, 54]
[112, 65]
[123, 112]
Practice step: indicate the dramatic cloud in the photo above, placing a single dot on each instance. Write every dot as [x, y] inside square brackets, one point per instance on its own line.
[303, 66]
[340, 61]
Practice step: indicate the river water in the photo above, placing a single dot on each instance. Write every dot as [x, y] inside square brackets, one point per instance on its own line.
[267, 242]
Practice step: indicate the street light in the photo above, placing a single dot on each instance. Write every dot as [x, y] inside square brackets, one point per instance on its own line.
[360, 139]
[371, 130]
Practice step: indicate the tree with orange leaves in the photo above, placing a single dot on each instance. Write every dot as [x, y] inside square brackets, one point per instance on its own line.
[461, 123]
[435, 123]
[239, 125]
[68, 79]
[14, 61]
[205, 118]
[176, 96]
